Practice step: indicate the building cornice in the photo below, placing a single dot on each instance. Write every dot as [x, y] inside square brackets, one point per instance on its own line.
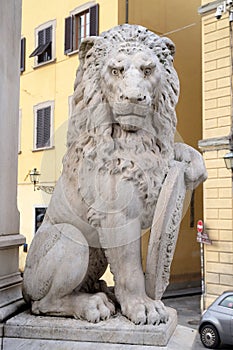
[211, 6]
[214, 144]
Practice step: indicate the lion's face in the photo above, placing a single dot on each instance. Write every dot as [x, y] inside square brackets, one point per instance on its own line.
[130, 82]
[126, 87]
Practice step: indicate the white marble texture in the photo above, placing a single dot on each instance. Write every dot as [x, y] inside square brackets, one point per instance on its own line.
[120, 148]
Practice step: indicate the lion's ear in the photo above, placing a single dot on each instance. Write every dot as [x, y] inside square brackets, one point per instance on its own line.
[86, 45]
[170, 45]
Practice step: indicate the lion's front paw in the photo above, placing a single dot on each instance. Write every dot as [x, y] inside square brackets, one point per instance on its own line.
[195, 171]
[144, 311]
[93, 308]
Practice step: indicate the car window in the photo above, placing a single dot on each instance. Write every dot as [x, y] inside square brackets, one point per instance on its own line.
[227, 302]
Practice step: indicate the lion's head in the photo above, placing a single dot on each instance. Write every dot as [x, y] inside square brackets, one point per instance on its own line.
[126, 83]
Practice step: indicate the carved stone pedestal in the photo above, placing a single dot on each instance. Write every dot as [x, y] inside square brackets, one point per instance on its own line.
[34, 332]
[10, 278]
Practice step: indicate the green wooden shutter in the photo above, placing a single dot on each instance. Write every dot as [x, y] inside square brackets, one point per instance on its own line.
[22, 54]
[94, 20]
[47, 126]
[43, 126]
[39, 128]
[68, 34]
[41, 37]
[48, 35]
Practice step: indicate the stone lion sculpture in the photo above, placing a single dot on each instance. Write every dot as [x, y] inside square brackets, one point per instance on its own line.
[120, 146]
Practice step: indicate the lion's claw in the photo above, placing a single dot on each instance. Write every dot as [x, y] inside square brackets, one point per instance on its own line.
[145, 311]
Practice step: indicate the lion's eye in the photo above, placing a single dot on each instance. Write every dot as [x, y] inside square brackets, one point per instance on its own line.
[147, 71]
[115, 71]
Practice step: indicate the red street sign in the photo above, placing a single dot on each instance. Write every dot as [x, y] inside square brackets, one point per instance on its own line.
[200, 226]
[202, 237]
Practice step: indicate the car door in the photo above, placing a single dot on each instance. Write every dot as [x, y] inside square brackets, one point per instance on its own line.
[225, 308]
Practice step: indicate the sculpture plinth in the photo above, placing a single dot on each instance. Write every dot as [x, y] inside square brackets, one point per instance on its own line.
[116, 330]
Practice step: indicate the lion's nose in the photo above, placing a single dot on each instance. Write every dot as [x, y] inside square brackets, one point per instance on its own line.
[133, 96]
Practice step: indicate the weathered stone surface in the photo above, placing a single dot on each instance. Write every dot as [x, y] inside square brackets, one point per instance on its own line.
[117, 330]
[164, 231]
[182, 338]
[120, 151]
[10, 17]
[10, 240]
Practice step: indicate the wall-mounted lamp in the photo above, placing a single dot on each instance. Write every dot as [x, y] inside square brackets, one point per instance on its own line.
[228, 158]
[34, 178]
[224, 7]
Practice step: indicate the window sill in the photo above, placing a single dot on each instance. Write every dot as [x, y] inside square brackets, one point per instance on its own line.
[44, 63]
[42, 149]
[71, 53]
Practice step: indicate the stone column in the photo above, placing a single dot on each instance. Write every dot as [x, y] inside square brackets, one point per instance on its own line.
[10, 239]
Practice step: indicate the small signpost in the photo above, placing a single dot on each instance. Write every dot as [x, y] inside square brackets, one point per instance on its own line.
[202, 237]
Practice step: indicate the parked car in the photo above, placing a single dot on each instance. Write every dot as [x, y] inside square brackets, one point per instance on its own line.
[216, 325]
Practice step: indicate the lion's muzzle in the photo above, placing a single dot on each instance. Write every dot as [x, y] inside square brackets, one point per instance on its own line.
[124, 109]
[130, 116]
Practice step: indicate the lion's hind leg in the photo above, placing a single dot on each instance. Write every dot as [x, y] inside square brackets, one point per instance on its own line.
[57, 264]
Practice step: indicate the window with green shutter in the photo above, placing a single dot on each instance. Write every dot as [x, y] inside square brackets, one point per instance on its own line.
[79, 26]
[43, 127]
[44, 48]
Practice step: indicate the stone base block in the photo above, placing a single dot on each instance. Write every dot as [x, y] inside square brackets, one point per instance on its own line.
[182, 338]
[32, 331]
[8, 310]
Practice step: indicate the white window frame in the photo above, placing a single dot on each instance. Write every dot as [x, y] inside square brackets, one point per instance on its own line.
[35, 109]
[82, 8]
[43, 26]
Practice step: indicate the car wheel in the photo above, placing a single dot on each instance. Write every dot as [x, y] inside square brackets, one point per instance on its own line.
[209, 336]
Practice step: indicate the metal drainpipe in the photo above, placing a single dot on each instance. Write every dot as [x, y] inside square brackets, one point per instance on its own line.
[126, 11]
[231, 53]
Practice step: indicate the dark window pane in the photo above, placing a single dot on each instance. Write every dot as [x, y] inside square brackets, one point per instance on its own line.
[46, 54]
[39, 216]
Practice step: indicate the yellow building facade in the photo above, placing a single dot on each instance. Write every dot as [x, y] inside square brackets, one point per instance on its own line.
[217, 126]
[51, 32]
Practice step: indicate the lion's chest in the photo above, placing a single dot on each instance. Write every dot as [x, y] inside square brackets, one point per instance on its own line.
[118, 183]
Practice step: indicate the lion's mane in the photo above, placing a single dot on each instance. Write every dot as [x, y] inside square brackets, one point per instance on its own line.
[88, 98]
[91, 127]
